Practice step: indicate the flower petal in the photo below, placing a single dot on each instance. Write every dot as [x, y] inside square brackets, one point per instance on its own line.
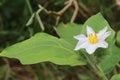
[79, 37]
[105, 35]
[102, 44]
[89, 31]
[80, 45]
[91, 48]
[102, 32]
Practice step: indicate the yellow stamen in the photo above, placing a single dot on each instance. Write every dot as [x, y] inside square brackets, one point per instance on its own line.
[93, 38]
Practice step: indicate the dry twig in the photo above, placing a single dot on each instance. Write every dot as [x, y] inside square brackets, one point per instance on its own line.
[76, 11]
[62, 11]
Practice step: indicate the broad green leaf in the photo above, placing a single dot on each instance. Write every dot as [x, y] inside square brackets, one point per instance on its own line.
[41, 48]
[67, 31]
[116, 77]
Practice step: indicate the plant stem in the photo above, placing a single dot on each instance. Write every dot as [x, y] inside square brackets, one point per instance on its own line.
[39, 74]
[29, 6]
[39, 19]
[37, 15]
[7, 72]
[91, 61]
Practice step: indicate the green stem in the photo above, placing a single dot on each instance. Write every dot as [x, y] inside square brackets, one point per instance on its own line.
[39, 74]
[39, 19]
[29, 6]
[37, 15]
[7, 72]
[102, 73]
[46, 68]
[91, 61]
[31, 12]
[57, 71]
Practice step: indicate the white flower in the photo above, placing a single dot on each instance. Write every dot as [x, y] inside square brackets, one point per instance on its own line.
[93, 40]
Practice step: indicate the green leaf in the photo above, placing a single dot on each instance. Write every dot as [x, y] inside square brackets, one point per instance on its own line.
[116, 77]
[67, 31]
[41, 48]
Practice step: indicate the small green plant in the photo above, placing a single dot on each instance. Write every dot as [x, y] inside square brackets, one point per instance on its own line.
[101, 52]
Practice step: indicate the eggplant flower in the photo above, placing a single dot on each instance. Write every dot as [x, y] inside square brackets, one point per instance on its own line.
[93, 40]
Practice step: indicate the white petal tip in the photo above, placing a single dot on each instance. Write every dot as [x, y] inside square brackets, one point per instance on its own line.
[90, 53]
[75, 37]
[76, 49]
[106, 28]
[91, 49]
[90, 30]
[88, 27]
[109, 32]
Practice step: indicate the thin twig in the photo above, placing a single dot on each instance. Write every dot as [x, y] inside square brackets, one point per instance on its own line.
[76, 11]
[39, 19]
[83, 14]
[57, 20]
[7, 71]
[66, 7]
[59, 13]
[85, 9]
[48, 12]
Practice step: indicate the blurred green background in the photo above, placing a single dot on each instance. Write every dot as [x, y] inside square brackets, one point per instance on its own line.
[14, 14]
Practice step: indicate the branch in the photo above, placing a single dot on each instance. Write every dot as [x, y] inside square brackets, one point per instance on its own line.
[59, 13]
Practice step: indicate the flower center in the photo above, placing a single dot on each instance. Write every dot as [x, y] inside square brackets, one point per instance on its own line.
[93, 38]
